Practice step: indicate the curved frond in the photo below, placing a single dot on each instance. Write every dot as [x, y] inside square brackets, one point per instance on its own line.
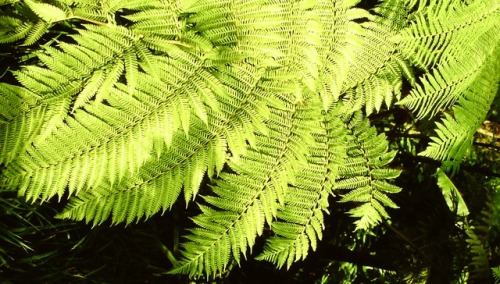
[157, 184]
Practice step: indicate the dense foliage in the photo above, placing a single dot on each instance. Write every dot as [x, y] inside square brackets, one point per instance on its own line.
[255, 126]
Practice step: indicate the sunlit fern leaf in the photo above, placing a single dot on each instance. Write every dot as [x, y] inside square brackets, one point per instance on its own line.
[155, 187]
[377, 66]
[35, 33]
[300, 221]
[17, 26]
[455, 132]
[13, 29]
[437, 28]
[144, 100]
[21, 118]
[260, 187]
[47, 12]
[366, 152]
[157, 184]
[453, 76]
[177, 67]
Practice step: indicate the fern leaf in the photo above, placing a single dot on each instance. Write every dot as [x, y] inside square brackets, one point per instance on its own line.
[157, 184]
[47, 12]
[21, 119]
[438, 28]
[252, 196]
[455, 133]
[300, 222]
[369, 153]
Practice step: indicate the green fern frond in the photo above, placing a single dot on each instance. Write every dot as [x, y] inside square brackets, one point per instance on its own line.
[13, 29]
[479, 267]
[251, 198]
[133, 104]
[455, 133]
[444, 86]
[141, 117]
[366, 153]
[378, 69]
[496, 274]
[204, 150]
[478, 242]
[21, 117]
[47, 12]
[451, 194]
[32, 19]
[300, 221]
[437, 29]
[155, 187]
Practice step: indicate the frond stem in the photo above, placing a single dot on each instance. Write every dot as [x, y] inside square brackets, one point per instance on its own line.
[89, 20]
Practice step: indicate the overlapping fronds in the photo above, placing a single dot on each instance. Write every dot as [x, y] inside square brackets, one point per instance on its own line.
[454, 75]
[29, 20]
[157, 184]
[139, 102]
[363, 177]
[20, 119]
[87, 84]
[360, 64]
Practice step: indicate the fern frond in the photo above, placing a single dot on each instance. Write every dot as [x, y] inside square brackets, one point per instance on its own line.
[496, 274]
[455, 133]
[300, 221]
[451, 194]
[368, 70]
[47, 12]
[479, 266]
[21, 117]
[437, 29]
[251, 198]
[444, 86]
[187, 83]
[13, 29]
[366, 153]
[157, 184]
